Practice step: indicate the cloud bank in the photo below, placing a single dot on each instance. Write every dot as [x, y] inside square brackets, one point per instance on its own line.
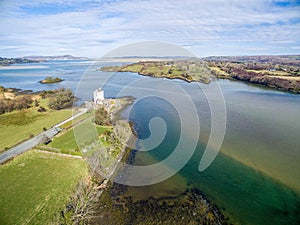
[93, 28]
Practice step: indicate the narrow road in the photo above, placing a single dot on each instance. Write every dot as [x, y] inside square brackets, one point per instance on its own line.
[82, 111]
[38, 139]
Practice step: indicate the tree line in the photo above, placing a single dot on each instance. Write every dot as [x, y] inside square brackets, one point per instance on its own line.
[58, 99]
[8, 105]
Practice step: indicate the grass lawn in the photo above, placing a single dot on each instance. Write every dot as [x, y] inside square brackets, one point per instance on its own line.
[86, 132]
[19, 125]
[35, 187]
[66, 142]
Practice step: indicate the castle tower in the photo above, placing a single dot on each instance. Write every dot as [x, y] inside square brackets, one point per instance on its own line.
[98, 96]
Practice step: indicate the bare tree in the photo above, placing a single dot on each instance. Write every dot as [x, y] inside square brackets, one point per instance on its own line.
[83, 204]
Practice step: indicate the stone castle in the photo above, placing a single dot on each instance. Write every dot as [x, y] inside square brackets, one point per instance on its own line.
[99, 96]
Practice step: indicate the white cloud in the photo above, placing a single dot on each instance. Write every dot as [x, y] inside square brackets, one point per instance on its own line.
[91, 27]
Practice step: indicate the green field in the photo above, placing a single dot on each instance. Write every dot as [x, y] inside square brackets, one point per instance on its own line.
[87, 132]
[35, 187]
[66, 143]
[20, 125]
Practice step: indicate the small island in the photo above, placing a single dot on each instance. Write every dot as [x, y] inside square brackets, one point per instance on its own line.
[51, 80]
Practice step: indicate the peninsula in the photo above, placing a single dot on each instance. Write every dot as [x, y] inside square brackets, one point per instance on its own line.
[276, 72]
[187, 70]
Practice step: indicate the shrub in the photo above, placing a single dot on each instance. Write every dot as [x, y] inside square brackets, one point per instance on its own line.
[61, 99]
[41, 109]
[102, 117]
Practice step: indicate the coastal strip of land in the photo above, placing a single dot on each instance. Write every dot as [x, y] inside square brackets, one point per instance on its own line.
[42, 169]
[275, 72]
[187, 70]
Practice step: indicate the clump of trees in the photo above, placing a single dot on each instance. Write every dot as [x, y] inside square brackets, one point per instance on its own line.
[59, 99]
[102, 117]
[8, 105]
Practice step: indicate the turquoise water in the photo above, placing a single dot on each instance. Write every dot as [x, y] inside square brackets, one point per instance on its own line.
[244, 194]
[254, 179]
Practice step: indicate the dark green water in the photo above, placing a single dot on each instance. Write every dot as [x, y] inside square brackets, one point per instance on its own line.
[255, 178]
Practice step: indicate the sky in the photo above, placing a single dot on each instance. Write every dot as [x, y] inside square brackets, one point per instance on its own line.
[93, 28]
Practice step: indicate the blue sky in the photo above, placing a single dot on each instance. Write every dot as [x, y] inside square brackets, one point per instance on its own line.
[93, 28]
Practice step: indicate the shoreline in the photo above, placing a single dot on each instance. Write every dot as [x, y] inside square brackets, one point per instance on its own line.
[116, 114]
[123, 128]
[170, 70]
[165, 77]
[119, 198]
[190, 206]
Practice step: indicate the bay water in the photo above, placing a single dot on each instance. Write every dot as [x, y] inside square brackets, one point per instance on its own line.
[254, 179]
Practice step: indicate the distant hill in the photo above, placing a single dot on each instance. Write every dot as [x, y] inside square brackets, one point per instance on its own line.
[9, 61]
[57, 57]
[37, 58]
[280, 59]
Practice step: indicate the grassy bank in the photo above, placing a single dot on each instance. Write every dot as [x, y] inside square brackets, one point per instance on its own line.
[35, 187]
[20, 125]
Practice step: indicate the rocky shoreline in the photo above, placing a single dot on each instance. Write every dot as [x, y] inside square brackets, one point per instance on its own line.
[190, 207]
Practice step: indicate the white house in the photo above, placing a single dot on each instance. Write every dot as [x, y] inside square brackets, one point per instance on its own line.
[99, 96]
